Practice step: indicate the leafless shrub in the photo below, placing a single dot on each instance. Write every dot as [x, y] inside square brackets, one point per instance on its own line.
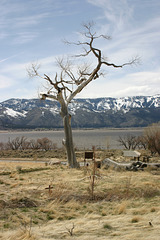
[142, 144]
[129, 142]
[17, 143]
[2, 146]
[34, 144]
[45, 143]
[152, 138]
[21, 143]
[149, 140]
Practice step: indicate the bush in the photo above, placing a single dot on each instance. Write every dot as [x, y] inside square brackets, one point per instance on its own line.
[129, 142]
[149, 140]
[21, 143]
[152, 138]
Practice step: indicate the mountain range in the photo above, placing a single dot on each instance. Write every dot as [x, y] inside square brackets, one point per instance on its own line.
[138, 111]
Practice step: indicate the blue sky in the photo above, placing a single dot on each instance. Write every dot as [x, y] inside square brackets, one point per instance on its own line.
[33, 30]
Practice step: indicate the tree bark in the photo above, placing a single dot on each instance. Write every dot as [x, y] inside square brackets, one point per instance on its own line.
[68, 141]
[71, 156]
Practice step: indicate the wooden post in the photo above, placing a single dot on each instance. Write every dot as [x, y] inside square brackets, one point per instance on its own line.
[49, 188]
[93, 174]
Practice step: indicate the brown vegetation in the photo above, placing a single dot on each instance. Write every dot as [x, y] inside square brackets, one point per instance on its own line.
[22, 143]
[125, 204]
[152, 138]
[149, 140]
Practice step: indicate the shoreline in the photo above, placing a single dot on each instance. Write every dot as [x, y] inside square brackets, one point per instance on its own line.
[73, 129]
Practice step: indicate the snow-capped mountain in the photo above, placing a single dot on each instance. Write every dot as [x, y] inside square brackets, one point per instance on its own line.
[99, 112]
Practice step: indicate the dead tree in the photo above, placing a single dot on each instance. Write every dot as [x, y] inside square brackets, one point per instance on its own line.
[66, 85]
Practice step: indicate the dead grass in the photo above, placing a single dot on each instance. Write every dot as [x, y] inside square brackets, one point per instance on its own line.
[22, 235]
[34, 154]
[124, 204]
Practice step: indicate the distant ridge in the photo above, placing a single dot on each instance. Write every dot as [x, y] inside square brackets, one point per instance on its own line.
[138, 111]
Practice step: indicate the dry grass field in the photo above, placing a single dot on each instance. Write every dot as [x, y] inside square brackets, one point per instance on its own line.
[124, 205]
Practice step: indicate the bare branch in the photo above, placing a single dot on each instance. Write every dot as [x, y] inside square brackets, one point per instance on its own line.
[48, 79]
[66, 68]
[92, 36]
[86, 53]
[32, 70]
[71, 82]
[70, 231]
[134, 61]
[83, 84]
[44, 96]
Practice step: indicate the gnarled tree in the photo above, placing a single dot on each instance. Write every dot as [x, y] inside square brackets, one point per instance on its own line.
[73, 79]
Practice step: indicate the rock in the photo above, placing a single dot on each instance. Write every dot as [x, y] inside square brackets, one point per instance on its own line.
[117, 166]
[54, 162]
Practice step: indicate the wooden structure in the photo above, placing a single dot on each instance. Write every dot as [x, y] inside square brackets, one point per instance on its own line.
[88, 155]
[49, 189]
[135, 155]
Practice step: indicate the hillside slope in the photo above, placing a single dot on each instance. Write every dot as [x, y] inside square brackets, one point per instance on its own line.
[137, 111]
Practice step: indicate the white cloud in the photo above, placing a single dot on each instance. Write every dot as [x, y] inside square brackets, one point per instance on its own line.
[22, 21]
[24, 37]
[118, 14]
[135, 84]
[15, 69]
[5, 82]
[37, 30]
[10, 57]
[141, 83]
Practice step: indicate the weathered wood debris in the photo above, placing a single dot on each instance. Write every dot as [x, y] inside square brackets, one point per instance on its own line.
[133, 166]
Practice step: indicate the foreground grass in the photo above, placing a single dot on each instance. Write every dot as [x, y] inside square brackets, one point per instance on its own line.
[124, 205]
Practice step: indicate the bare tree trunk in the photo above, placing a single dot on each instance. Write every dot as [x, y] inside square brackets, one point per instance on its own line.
[68, 141]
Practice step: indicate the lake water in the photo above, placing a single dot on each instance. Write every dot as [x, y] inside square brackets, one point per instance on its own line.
[83, 139]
